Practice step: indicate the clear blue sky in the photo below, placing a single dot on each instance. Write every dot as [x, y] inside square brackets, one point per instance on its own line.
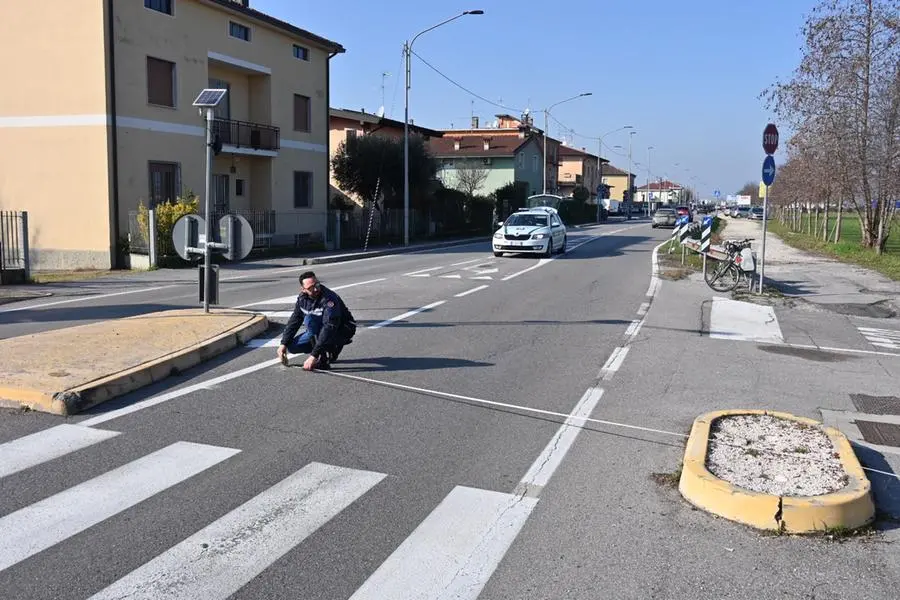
[686, 75]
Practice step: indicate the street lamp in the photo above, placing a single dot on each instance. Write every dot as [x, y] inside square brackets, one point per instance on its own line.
[407, 52]
[628, 177]
[600, 163]
[546, 113]
[647, 197]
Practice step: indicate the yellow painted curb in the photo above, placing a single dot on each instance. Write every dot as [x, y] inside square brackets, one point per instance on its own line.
[850, 507]
[82, 397]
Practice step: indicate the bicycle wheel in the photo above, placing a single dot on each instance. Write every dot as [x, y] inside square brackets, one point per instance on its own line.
[723, 279]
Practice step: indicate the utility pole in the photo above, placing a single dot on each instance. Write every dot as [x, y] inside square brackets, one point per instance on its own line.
[628, 179]
[647, 197]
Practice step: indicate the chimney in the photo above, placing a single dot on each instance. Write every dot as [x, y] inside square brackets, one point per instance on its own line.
[474, 122]
[487, 144]
[456, 144]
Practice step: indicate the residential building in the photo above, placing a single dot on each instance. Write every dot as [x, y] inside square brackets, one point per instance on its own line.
[616, 180]
[578, 168]
[102, 118]
[487, 162]
[507, 137]
[344, 123]
[660, 192]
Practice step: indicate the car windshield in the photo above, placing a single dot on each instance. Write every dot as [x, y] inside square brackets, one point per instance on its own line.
[527, 221]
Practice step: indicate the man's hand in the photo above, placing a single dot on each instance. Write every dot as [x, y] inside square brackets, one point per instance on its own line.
[310, 362]
[282, 354]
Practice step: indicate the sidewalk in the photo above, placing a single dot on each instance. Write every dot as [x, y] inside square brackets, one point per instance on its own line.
[837, 286]
[66, 371]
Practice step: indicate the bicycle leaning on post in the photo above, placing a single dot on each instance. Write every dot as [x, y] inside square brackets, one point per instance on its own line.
[728, 273]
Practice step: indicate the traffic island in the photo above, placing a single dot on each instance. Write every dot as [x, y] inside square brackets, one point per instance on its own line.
[66, 371]
[775, 471]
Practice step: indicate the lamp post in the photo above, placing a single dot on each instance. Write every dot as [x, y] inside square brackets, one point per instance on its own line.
[546, 114]
[628, 177]
[407, 52]
[600, 163]
[647, 197]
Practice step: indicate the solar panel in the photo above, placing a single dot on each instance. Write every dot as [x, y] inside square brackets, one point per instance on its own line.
[210, 97]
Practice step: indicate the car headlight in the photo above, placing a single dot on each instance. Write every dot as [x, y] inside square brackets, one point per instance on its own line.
[539, 236]
[498, 236]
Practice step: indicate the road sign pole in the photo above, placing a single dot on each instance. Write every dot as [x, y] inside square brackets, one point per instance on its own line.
[207, 251]
[762, 258]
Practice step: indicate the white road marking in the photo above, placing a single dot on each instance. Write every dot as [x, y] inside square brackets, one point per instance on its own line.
[87, 298]
[883, 338]
[745, 321]
[466, 262]
[429, 270]
[634, 328]
[453, 276]
[406, 315]
[539, 264]
[224, 556]
[263, 342]
[613, 363]
[46, 523]
[472, 291]
[293, 298]
[542, 469]
[642, 310]
[482, 277]
[454, 551]
[46, 445]
[277, 314]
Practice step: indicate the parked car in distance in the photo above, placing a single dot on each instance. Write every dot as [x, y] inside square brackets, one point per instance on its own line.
[664, 217]
[741, 212]
[756, 213]
[684, 211]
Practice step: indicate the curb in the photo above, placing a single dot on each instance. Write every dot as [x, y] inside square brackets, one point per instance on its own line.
[850, 508]
[324, 260]
[71, 401]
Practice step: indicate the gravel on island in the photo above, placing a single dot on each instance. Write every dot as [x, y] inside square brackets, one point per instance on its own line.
[774, 456]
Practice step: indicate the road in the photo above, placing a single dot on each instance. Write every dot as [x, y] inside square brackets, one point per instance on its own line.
[385, 474]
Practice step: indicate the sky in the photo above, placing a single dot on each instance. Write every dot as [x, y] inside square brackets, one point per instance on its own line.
[686, 75]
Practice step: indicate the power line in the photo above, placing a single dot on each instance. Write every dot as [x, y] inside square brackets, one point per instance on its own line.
[465, 89]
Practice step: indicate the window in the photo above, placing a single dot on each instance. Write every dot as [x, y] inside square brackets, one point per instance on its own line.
[223, 109]
[521, 159]
[351, 134]
[236, 30]
[238, 187]
[160, 82]
[301, 52]
[302, 189]
[534, 163]
[164, 182]
[301, 113]
[220, 193]
[163, 6]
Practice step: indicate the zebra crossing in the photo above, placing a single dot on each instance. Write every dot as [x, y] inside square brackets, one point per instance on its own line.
[452, 553]
[882, 338]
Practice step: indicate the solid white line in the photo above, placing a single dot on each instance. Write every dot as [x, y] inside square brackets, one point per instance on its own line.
[277, 314]
[642, 310]
[46, 445]
[293, 298]
[88, 298]
[613, 363]
[482, 277]
[633, 328]
[454, 276]
[539, 264]
[46, 523]
[224, 556]
[425, 270]
[454, 551]
[832, 349]
[539, 411]
[466, 262]
[405, 315]
[542, 469]
[472, 291]
[422, 275]
[203, 385]
[263, 342]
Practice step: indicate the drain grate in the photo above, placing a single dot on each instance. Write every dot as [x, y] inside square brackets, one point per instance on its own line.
[884, 434]
[876, 405]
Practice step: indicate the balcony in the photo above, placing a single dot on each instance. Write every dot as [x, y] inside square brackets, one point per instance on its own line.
[571, 178]
[242, 137]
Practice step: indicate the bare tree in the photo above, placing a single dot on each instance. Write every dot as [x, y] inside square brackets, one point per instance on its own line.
[470, 176]
[843, 102]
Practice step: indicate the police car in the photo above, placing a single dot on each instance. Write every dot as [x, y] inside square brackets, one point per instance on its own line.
[536, 230]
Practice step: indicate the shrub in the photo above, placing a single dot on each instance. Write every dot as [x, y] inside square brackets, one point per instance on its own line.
[167, 213]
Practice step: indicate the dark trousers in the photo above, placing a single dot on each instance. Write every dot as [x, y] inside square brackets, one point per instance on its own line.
[305, 341]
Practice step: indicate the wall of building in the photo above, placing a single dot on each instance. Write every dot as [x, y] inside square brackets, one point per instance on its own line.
[53, 132]
[528, 168]
[500, 172]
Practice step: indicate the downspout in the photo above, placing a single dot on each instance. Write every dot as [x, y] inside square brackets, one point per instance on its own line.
[114, 127]
[328, 140]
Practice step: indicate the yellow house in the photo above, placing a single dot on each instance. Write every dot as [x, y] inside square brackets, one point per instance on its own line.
[579, 168]
[617, 180]
[100, 117]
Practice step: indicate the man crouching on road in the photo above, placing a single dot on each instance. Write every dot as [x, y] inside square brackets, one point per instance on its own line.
[329, 325]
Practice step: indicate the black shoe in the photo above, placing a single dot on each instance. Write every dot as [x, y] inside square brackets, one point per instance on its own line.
[333, 355]
[323, 364]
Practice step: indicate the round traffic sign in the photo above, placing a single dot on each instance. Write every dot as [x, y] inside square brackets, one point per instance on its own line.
[768, 170]
[235, 230]
[188, 232]
[770, 138]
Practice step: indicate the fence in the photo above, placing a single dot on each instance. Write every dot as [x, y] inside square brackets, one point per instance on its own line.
[14, 259]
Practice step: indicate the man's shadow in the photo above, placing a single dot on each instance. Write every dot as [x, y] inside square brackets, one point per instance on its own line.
[400, 363]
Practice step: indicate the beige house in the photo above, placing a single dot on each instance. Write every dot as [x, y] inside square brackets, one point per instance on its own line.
[578, 168]
[102, 117]
[344, 123]
[617, 180]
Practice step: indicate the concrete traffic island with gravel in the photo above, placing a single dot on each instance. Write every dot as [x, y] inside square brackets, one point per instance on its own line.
[775, 471]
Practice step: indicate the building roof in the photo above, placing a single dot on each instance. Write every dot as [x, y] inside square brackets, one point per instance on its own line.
[661, 186]
[473, 146]
[612, 171]
[244, 9]
[570, 151]
[364, 117]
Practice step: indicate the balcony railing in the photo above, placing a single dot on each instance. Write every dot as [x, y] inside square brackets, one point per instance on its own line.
[251, 136]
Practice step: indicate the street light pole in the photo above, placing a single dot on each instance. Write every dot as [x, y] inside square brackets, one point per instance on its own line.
[407, 52]
[647, 197]
[600, 163]
[546, 116]
[628, 178]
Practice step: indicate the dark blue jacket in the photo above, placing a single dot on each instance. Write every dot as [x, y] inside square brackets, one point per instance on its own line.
[338, 323]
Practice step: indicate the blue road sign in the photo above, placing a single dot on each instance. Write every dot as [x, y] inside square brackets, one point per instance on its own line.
[682, 220]
[768, 170]
[716, 193]
[707, 222]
